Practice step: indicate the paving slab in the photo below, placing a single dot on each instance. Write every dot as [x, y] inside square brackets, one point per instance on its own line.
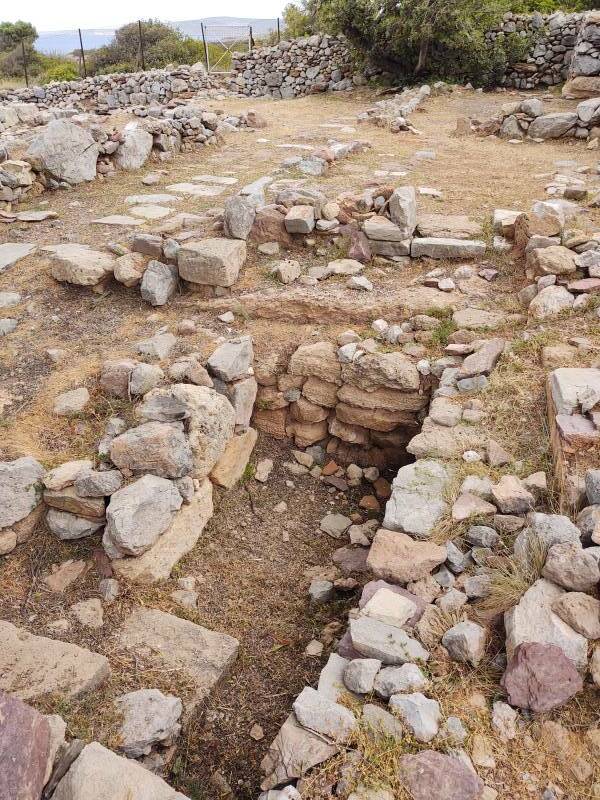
[117, 219]
[12, 252]
[196, 190]
[219, 180]
[32, 666]
[151, 212]
[201, 656]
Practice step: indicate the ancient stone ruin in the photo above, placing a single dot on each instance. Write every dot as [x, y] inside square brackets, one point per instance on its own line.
[300, 466]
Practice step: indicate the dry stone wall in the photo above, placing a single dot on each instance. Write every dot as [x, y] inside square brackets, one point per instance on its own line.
[153, 87]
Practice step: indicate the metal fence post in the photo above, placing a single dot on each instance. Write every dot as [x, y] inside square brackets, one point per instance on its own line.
[143, 61]
[205, 47]
[250, 39]
[24, 62]
[278, 31]
[82, 54]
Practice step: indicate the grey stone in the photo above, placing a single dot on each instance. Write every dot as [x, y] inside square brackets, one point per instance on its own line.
[238, 217]
[138, 514]
[465, 642]
[65, 151]
[393, 680]
[421, 715]
[135, 149]
[211, 262]
[232, 360]
[389, 644]
[317, 713]
[68, 526]
[158, 448]
[552, 126]
[20, 489]
[418, 500]
[149, 718]
[442, 248]
[571, 567]
[159, 283]
[360, 674]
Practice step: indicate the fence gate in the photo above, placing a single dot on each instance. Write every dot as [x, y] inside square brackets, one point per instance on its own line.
[220, 41]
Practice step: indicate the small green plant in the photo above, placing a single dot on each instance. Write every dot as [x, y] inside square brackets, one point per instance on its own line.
[441, 334]
[248, 474]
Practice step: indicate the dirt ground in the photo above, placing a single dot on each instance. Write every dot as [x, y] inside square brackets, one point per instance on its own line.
[252, 564]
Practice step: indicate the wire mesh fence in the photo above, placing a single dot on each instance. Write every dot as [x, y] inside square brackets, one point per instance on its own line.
[219, 43]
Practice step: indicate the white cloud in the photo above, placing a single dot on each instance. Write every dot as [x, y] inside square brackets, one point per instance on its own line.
[67, 15]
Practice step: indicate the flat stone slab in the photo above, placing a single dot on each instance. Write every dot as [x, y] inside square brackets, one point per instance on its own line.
[432, 247]
[151, 199]
[203, 657]
[100, 774]
[118, 219]
[151, 212]
[11, 252]
[25, 747]
[219, 180]
[569, 386]
[196, 190]
[31, 666]
[35, 216]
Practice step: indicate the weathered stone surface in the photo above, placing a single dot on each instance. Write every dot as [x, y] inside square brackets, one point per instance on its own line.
[12, 252]
[331, 680]
[375, 370]
[555, 260]
[157, 563]
[238, 217]
[61, 576]
[232, 360]
[396, 557]
[540, 677]
[438, 441]
[552, 126]
[211, 262]
[318, 360]
[71, 403]
[544, 530]
[441, 248]
[65, 474]
[465, 642]
[231, 466]
[431, 774]
[159, 283]
[382, 399]
[551, 301]
[581, 612]
[318, 714]
[390, 645]
[203, 657]
[393, 680]
[418, 713]
[532, 620]
[372, 587]
[20, 489]
[210, 420]
[67, 526]
[97, 772]
[389, 607]
[571, 567]
[158, 448]
[448, 226]
[418, 500]
[79, 264]
[149, 718]
[511, 496]
[67, 499]
[294, 752]
[138, 514]
[129, 268]
[360, 674]
[477, 318]
[483, 360]
[403, 209]
[65, 152]
[135, 149]
[32, 666]
[25, 747]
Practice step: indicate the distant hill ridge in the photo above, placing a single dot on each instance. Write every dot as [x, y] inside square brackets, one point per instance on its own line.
[67, 41]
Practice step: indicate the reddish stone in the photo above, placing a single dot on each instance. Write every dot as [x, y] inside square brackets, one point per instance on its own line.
[351, 559]
[269, 227]
[345, 648]
[371, 587]
[577, 430]
[584, 285]
[540, 677]
[359, 248]
[329, 469]
[370, 503]
[383, 488]
[24, 749]
[431, 774]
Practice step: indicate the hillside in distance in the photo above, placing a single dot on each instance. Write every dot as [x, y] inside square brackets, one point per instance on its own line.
[216, 28]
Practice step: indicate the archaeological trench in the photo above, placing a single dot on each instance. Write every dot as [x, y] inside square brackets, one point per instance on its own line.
[300, 407]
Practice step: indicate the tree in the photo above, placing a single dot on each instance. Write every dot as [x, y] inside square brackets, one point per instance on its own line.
[163, 44]
[14, 38]
[301, 19]
[434, 38]
[13, 33]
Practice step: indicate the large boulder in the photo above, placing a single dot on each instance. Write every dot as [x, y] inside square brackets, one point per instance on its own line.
[135, 149]
[65, 152]
[209, 417]
[138, 514]
[20, 489]
[552, 126]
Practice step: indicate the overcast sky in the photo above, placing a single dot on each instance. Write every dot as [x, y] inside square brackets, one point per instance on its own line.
[57, 15]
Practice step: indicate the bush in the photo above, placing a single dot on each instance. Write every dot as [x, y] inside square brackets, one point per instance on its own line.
[56, 68]
[426, 38]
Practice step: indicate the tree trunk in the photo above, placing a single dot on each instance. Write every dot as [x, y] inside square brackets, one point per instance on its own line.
[423, 53]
